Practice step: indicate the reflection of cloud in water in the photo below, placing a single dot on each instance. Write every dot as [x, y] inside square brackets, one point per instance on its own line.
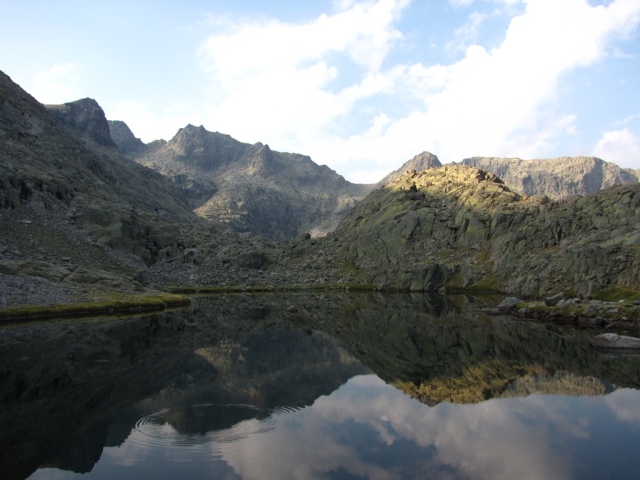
[487, 440]
[625, 404]
[368, 429]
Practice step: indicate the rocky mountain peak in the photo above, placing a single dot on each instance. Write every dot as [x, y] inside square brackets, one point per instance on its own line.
[124, 138]
[261, 162]
[420, 162]
[253, 188]
[86, 119]
[208, 151]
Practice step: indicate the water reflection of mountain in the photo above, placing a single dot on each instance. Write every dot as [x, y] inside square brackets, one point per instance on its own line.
[62, 384]
[462, 357]
[85, 383]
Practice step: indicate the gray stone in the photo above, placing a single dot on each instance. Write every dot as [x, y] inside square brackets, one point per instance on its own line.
[613, 340]
[590, 311]
[508, 303]
[553, 300]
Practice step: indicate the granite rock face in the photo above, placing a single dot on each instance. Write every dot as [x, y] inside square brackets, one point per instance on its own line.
[253, 188]
[555, 177]
[58, 165]
[127, 142]
[85, 118]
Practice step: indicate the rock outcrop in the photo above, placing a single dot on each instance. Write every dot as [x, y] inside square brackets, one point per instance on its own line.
[70, 200]
[418, 163]
[85, 118]
[555, 177]
[127, 142]
[460, 227]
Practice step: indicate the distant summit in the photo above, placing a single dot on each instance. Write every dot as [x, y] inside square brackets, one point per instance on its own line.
[554, 177]
[124, 138]
[418, 163]
[253, 188]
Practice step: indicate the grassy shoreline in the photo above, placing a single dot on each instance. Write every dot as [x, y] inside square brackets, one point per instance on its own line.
[177, 296]
[119, 304]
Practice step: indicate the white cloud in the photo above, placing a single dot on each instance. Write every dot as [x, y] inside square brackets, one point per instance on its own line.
[624, 403]
[148, 124]
[628, 119]
[271, 80]
[500, 102]
[57, 84]
[468, 3]
[492, 97]
[300, 87]
[499, 439]
[467, 34]
[621, 147]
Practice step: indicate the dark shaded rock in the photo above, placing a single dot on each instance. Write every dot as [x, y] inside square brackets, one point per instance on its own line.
[553, 300]
[85, 118]
[430, 278]
[124, 138]
[253, 259]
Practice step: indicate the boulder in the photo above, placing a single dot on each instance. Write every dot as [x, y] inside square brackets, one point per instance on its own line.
[508, 303]
[590, 311]
[613, 340]
[253, 259]
[553, 300]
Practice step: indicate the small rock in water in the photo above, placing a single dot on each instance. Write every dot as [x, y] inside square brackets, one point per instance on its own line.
[508, 303]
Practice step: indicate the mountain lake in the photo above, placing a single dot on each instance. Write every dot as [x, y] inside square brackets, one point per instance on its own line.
[317, 385]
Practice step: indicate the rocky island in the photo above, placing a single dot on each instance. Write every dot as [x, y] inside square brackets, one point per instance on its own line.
[93, 219]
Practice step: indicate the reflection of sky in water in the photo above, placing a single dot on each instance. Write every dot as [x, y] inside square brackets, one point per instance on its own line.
[367, 429]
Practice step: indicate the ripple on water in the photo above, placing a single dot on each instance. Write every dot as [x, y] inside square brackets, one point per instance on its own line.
[155, 432]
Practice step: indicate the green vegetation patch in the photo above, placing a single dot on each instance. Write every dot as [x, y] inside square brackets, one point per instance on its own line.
[616, 294]
[271, 288]
[114, 303]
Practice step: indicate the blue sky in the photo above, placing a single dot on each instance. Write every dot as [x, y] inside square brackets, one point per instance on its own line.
[361, 86]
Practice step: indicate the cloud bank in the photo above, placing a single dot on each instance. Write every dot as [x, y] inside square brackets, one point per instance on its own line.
[329, 87]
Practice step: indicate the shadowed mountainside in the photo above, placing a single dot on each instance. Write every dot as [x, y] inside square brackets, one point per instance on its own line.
[251, 187]
[85, 118]
[76, 214]
[123, 137]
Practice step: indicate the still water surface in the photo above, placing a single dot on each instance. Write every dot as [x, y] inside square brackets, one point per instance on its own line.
[347, 387]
